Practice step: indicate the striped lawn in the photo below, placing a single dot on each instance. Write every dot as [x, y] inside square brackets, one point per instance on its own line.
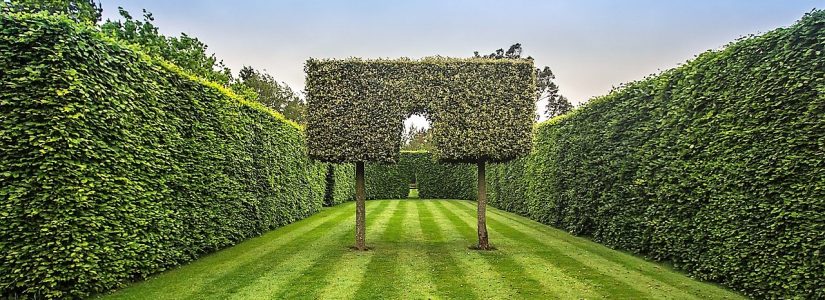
[419, 252]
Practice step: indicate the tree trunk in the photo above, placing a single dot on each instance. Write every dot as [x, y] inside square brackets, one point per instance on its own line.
[360, 211]
[483, 244]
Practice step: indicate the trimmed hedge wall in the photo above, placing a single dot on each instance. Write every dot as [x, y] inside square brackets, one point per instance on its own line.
[435, 180]
[385, 181]
[114, 165]
[717, 166]
[440, 180]
[481, 109]
[340, 184]
[507, 188]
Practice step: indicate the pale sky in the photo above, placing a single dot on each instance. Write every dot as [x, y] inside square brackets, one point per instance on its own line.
[590, 45]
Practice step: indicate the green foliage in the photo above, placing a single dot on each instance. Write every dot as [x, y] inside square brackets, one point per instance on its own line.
[435, 180]
[271, 93]
[546, 87]
[416, 139]
[114, 165]
[385, 181]
[82, 11]
[440, 180]
[185, 51]
[340, 184]
[506, 186]
[547, 90]
[716, 166]
[481, 109]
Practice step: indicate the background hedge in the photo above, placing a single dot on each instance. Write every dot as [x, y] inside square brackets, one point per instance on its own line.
[435, 180]
[481, 109]
[385, 181]
[508, 187]
[716, 166]
[114, 166]
[340, 184]
[441, 180]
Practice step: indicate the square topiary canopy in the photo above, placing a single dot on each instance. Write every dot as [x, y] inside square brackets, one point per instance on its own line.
[480, 109]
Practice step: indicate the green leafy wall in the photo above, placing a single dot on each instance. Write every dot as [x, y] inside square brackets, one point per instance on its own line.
[481, 109]
[114, 165]
[435, 180]
[438, 180]
[385, 181]
[340, 184]
[506, 186]
[717, 166]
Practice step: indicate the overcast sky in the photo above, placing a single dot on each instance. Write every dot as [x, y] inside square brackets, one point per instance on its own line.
[590, 45]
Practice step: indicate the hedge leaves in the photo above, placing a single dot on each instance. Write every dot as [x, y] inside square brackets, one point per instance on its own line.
[114, 165]
[717, 166]
[481, 109]
[435, 180]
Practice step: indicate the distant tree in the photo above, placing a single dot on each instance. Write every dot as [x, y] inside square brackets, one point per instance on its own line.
[262, 87]
[83, 11]
[513, 52]
[546, 88]
[416, 138]
[185, 51]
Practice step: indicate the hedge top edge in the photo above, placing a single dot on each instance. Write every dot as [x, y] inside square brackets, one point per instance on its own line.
[64, 20]
[436, 59]
[626, 87]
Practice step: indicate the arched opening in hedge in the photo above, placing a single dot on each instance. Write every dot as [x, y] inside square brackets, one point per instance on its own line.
[482, 110]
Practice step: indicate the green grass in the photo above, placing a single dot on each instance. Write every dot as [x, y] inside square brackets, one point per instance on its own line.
[413, 194]
[420, 251]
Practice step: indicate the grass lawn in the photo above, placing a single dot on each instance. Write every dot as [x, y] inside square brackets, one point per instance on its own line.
[419, 251]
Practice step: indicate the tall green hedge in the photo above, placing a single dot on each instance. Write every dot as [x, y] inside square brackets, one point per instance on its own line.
[507, 187]
[717, 166]
[385, 181]
[114, 165]
[340, 184]
[438, 180]
[481, 109]
[435, 180]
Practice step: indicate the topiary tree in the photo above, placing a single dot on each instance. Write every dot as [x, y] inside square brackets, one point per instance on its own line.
[481, 111]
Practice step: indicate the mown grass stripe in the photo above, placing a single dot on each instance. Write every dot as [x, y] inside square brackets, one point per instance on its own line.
[661, 280]
[202, 272]
[348, 275]
[274, 281]
[663, 273]
[552, 278]
[415, 282]
[428, 253]
[444, 269]
[522, 284]
[600, 282]
[244, 275]
[383, 264]
[308, 283]
[483, 279]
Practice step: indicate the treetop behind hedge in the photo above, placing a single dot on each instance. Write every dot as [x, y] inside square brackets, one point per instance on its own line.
[480, 109]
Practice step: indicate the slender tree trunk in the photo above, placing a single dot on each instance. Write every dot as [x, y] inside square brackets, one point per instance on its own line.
[360, 211]
[483, 243]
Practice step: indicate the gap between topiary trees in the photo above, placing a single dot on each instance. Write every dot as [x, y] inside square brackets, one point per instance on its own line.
[481, 111]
